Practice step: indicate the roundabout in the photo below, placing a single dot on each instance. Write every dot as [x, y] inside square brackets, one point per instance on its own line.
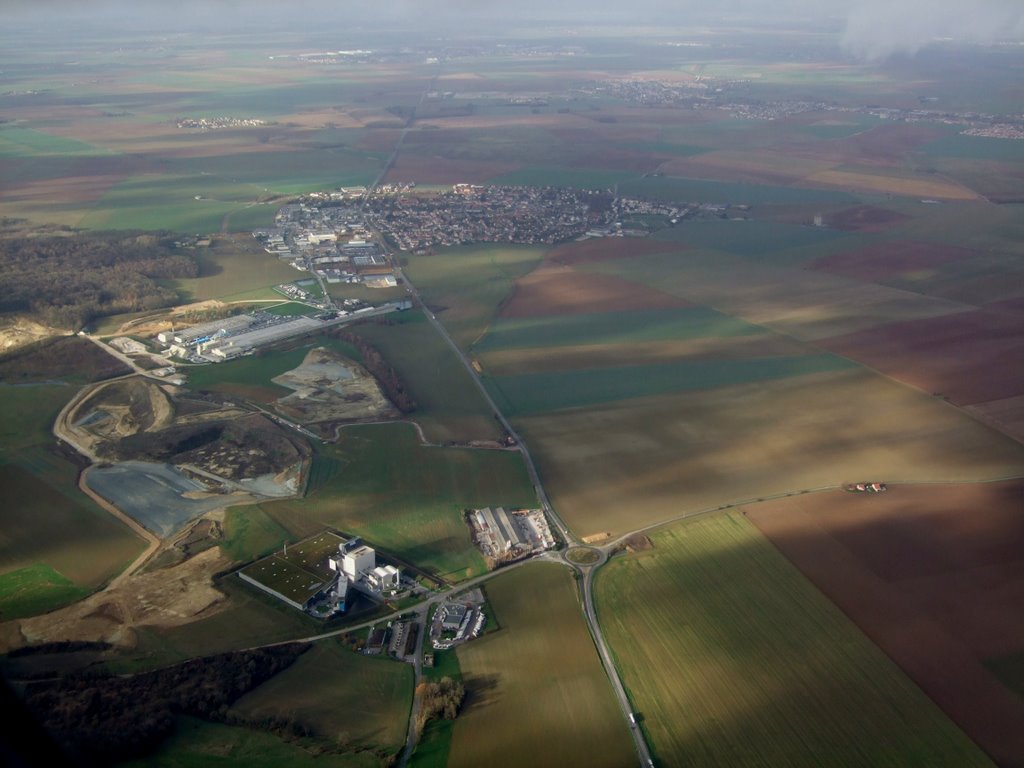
[584, 556]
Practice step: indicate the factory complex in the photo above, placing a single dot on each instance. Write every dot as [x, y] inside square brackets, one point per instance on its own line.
[504, 536]
[238, 335]
[316, 574]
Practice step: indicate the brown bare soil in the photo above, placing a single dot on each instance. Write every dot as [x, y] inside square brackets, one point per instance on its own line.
[1006, 415]
[882, 146]
[755, 167]
[920, 186]
[968, 357]
[330, 389]
[19, 332]
[888, 259]
[638, 543]
[620, 466]
[506, 362]
[430, 169]
[163, 598]
[935, 576]
[865, 218]
[608, 248]
[558, 290]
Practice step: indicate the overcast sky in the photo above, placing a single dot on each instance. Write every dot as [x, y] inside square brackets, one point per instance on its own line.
[870, 29]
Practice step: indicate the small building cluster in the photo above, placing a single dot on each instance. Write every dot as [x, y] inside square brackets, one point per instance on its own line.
[458, 621]
[505, 536]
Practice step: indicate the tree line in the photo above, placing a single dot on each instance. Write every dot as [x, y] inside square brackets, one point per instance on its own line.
[101, 719]
[382, 371]
[68, 281]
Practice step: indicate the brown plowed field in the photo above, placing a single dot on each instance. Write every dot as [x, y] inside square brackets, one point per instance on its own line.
[558, 290]
[431, 169]
[1007, 415]
[885, 145]
[865, 218]
[865, 179]
[608, 248]
[935, 576]
[509, 362]
[969, 357]
[888, 259]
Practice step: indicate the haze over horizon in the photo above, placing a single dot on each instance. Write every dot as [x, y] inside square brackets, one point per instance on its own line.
[870, 30]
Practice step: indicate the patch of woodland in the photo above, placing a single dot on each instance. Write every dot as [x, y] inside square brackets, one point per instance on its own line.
[68, 281]
[59, 357]
[388, 378]
[102, 718]
[440, 700]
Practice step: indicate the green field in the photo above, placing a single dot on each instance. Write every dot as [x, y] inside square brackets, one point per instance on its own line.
[465, 285]
[449, 408]
[614, 328]
[26, 142]
[251, 376]
[533, 393]
[249, 618]
[35, 589]
[344, 698]
[537, 694]
[228, 270]
[56, 543]
[202, 744]
[404, 498]
[732, 658]
[250, 533]
[755, 239]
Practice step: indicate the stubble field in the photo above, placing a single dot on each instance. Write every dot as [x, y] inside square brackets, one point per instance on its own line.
[537, 694]
[620, 466]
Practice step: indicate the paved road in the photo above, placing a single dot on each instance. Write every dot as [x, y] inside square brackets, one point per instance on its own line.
[531, 468]
[609, 666]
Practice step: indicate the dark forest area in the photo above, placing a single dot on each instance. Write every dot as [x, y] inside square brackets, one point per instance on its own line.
[67, 281]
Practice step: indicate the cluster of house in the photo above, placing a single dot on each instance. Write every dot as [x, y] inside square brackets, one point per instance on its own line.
[469, 213]
[214, 123]
[708, 93]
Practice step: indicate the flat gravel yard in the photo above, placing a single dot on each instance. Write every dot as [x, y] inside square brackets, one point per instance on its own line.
[153, 494]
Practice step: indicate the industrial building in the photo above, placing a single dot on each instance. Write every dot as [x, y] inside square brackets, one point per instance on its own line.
[301, 576]
[230, 347]
[315, 574]
[504, 536]
[196, 333]
[358, 562]
[384, 578]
